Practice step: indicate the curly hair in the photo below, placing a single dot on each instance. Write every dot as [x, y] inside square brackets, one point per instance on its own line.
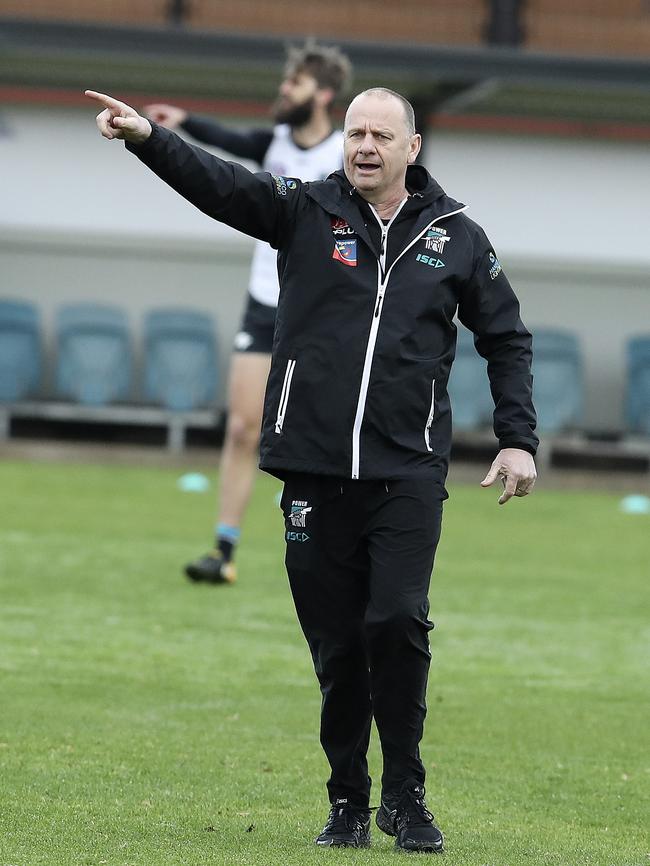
[326, 63]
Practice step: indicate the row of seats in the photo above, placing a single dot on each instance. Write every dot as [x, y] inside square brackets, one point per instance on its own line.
[94, 355]
[94, 365]
[558, 383]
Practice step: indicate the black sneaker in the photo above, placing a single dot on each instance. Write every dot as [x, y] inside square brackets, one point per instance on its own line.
[411, 823]
[347, 827]
[211, 568]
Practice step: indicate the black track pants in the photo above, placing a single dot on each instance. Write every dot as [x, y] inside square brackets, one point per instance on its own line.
[359, 559]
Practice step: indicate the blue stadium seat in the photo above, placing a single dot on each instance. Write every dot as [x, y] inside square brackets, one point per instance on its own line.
[21, 358]
[180, 358]
[637, 405]
[469, 389]
[558, 379]
[94, 359]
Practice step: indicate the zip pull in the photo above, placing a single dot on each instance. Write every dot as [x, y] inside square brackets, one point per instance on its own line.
[380, 298]
[383, 243]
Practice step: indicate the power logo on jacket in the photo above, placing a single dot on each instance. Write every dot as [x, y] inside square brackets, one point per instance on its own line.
[434, 241]
[298, 519]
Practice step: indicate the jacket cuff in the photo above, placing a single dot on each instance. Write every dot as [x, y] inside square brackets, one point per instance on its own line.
[132, 147]
[523, 446]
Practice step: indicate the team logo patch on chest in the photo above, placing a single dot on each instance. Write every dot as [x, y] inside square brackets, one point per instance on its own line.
[345, 242]
[436, 239]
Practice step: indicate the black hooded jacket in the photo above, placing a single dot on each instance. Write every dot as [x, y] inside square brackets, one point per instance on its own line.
[364, 337]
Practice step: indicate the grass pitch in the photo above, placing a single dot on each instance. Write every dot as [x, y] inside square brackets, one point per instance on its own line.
[145, 721]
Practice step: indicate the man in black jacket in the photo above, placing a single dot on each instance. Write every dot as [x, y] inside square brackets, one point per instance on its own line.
[374, 264]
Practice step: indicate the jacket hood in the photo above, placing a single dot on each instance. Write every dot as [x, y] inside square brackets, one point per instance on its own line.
[419, 182]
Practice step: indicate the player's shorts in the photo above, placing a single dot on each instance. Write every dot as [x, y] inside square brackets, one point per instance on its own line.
[256, 332]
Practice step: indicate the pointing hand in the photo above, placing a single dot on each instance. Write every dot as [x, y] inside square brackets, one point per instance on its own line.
[119, 120]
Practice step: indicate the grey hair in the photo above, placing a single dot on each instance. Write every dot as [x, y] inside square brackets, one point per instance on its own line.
[409, 114]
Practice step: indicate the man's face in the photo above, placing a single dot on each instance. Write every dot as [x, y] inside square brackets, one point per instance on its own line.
[296, 99]
[377, 146]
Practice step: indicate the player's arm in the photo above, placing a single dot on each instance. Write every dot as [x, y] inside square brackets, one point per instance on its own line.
[226, 191]
[244, 144]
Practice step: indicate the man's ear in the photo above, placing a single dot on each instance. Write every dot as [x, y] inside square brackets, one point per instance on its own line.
[414, 148]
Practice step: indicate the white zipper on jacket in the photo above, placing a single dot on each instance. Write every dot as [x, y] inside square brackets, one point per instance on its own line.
[432, 410]
[382, 282]
[374, 327]
[284, 395]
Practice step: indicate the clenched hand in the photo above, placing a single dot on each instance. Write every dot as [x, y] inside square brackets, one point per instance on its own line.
[516, 469]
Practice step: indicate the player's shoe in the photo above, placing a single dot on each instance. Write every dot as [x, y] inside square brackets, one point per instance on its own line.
[347, 827]
[409, 820]
[211, 568]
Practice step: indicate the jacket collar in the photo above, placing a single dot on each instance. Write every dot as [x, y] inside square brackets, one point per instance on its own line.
[338, 197]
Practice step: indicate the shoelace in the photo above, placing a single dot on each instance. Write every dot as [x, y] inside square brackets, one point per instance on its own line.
[344, 818]
[412, 809]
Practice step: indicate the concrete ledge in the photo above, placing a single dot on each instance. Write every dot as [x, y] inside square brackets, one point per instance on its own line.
[175, 422]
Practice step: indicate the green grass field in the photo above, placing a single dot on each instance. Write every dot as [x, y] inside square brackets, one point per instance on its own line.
[146, 721]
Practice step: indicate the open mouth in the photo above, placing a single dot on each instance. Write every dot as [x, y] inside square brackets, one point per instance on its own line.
[367, 166]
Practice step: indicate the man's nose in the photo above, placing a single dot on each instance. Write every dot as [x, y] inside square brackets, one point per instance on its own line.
[368, 144]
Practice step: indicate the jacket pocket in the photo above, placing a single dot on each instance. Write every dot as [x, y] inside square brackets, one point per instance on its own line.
[284, 395]
[432, 411]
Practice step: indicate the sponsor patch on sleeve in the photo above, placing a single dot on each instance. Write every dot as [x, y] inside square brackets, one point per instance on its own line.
[495, 266]
[284, 184]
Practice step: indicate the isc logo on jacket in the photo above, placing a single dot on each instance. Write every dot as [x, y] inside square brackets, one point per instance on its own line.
[432, 261]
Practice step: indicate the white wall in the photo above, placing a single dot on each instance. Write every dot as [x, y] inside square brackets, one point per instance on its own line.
[58, 174]
[80, 218]
[555, 199]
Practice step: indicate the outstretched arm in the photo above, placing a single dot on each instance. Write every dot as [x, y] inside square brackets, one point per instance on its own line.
[253, 203]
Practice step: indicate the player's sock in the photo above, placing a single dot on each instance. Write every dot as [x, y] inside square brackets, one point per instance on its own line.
[226, 540]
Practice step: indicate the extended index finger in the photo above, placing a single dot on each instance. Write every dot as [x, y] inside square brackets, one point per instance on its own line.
[106, 100]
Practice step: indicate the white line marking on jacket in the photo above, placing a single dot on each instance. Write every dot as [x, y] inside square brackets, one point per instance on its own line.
[432, 410]
[284, 396]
